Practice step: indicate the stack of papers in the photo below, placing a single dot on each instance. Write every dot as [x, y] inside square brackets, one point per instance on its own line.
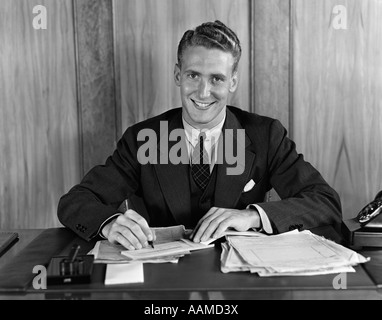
[293, 253]
[171, 243]
[105, 252]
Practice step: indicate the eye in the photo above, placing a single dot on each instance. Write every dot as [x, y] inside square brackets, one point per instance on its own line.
[192, 76]
[217, 80]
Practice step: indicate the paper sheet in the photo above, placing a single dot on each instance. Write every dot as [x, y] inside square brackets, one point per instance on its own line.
[124, 273]
[236, 233]
[169, 234]
[105, 252]
[180, 247]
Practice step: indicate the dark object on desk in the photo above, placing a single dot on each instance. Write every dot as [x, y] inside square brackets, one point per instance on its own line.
[73, 269]
[370, 211]
[6, 240]
[365, 230]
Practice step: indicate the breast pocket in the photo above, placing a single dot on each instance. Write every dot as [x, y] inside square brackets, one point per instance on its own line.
[253, 192]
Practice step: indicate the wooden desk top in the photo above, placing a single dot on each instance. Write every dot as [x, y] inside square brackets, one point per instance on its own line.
[196, 276]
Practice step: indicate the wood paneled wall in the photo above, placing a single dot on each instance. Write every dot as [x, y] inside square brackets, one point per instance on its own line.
[97, 108]
[38, 113]
[147, 33]
[337, 95]
[67, 93]
[271, 64]
[58, 115]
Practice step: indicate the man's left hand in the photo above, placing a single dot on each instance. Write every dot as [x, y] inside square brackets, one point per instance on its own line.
[217, 220]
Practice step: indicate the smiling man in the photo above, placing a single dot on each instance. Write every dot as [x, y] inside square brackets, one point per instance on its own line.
[206, 77]
[200, 193]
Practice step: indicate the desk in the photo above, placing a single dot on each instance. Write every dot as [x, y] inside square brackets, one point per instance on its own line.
[196, 276]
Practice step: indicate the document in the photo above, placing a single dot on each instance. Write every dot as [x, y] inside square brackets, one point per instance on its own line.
[124, 273]
[171, 243]
[230, 232]
[105, 252]
[173, 248]
[173, 233]
[292, 253]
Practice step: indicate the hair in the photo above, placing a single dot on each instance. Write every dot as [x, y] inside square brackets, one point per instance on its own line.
[211, 35]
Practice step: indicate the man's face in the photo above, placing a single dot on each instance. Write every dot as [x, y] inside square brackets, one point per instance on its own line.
[205, 79]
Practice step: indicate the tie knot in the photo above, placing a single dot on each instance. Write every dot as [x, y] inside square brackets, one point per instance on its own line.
[202, 136]
[200, 154]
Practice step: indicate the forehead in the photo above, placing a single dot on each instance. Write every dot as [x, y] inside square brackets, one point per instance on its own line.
[199, 58]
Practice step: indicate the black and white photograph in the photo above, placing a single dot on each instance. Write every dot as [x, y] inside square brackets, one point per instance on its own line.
[191, 155]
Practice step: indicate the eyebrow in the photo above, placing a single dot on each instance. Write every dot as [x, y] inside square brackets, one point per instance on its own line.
[220, 75]
[217, 75]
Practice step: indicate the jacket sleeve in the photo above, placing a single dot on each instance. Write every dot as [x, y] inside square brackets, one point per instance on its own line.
[97, 197]
[307, 201]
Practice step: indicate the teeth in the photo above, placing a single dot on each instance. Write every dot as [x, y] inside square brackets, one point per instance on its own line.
[202, 105]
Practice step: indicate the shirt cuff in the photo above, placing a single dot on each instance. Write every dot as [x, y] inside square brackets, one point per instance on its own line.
[106, 222]
[265, 222]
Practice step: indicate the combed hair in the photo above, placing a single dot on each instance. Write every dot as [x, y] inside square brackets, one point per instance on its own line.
[211, 35]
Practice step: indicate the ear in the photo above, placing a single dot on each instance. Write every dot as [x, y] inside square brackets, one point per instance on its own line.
[177, 74]
[234, 82]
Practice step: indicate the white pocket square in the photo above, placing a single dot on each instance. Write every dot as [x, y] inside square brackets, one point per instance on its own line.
[249, 186]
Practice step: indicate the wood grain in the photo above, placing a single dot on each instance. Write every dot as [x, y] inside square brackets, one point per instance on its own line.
[147, 33]
[270, 57]
[337, 96]
[38, 113]
[95, 81]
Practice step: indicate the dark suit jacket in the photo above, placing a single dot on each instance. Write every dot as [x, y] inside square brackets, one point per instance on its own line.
[270, 160]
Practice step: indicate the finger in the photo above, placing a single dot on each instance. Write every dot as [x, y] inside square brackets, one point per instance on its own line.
[216, 227]
[223, 226]
[201, 234]
[116, 237]
[214, 223]
[132, 231]
[137, 218]
[153, 235]
[209, 213]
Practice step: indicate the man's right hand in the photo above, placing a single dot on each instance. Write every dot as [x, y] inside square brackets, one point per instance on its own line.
[130, 230]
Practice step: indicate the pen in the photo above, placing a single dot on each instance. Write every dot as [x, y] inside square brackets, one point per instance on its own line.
[126, 207]
[73, 253]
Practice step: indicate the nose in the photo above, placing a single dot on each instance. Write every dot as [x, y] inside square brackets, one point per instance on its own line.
[204, 89]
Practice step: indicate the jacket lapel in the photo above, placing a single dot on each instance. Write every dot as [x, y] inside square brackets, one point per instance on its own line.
[174, 178]
[229, 186]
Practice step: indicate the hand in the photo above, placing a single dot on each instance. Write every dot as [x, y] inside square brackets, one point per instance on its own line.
[130, 230]
[217, 220]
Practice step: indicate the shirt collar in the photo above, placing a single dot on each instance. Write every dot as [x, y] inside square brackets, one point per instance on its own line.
[212, 135]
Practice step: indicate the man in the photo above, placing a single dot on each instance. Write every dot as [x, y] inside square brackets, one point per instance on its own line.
[217, 199]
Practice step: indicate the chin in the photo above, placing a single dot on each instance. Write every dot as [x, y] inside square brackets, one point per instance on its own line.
[202, 119]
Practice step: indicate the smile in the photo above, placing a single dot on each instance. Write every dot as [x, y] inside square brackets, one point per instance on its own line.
[202, 105]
